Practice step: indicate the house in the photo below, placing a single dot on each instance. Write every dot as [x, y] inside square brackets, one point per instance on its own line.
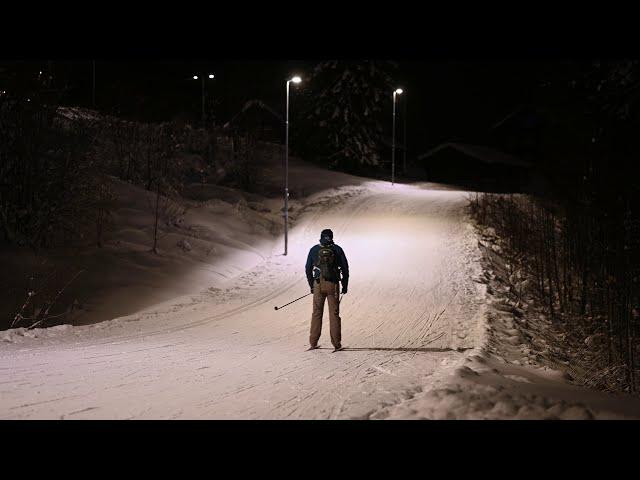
[475, 166]
[258, 119]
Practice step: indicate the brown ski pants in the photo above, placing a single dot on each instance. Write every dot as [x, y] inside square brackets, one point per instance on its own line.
[328, 290]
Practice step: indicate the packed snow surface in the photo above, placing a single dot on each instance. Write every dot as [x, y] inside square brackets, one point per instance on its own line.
[414, 332]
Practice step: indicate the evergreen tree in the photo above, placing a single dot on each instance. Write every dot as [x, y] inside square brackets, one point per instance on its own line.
[343, 110]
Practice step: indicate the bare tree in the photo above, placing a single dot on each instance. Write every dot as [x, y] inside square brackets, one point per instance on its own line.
[41, 314]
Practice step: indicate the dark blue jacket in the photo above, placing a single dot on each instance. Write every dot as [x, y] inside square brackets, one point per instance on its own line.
[340, 258]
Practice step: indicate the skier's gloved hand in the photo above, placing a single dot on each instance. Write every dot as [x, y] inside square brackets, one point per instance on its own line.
[344, 290]
[311, 288]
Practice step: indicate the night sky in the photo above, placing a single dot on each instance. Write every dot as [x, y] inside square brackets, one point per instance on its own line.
[446, 99]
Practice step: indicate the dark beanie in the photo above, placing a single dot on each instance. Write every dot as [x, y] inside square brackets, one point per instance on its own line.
[326, 237]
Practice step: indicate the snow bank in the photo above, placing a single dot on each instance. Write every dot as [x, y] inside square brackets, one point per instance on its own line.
[15, 335]
[488, 388]
[518, 371]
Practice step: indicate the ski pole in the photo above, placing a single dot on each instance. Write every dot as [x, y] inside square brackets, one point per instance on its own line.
[278, 308]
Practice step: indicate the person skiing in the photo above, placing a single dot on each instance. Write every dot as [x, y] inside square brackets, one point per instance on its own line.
[325, 263]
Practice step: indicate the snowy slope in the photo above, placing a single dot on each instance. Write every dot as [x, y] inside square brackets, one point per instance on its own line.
[203, 242]
[414, 327]
[227, 354]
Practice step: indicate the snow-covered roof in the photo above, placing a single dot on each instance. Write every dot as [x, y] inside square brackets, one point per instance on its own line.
[484, 154]
[78, 113]
[259, 104]
[522, 110]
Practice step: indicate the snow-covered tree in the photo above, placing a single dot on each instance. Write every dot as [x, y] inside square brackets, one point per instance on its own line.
[344, 102]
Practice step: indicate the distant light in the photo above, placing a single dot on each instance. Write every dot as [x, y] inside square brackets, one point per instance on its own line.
[28, 99]
[211, 75]
[399, 91]
[41, 72]
[195, 77]
[296, 79]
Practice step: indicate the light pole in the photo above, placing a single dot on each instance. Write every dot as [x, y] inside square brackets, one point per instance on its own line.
[393, 136]
[295, 79]
[93, 90]
[195, 77]
[404, 136]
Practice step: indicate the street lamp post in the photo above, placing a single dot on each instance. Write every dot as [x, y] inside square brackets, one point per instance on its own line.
[93, 90]
[404, 136]
[393, 136]
[195, 77]
[295, 79]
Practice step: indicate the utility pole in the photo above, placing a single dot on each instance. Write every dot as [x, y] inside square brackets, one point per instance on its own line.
[50, 81]
[204, 125]
[211, 77]
[93, 95]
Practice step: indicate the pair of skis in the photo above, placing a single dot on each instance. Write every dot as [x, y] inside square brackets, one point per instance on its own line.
[318, 346]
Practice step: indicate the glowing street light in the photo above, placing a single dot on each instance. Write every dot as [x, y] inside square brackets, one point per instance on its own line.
[393, 136]
[296, 80]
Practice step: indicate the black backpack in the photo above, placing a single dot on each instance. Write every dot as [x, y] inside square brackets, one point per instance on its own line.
[328, 264]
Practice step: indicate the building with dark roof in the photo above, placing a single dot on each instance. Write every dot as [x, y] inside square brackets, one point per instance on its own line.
[475, 166]
[259, 119]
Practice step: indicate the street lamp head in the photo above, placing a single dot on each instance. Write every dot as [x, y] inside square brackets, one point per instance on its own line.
[211, 75]
[296, 79]
[399, 91]
[195, 77]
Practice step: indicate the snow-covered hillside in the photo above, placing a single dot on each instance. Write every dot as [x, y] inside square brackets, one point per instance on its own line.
[416, 329]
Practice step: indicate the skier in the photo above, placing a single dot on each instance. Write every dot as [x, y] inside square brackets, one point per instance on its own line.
[325, 262]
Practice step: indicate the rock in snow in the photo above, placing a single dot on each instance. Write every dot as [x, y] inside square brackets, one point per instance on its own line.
[184, 245]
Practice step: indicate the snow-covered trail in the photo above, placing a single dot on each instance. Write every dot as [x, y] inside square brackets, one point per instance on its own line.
[412, 310]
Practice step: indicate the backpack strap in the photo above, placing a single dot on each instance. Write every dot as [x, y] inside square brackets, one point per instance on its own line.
[316, 260]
